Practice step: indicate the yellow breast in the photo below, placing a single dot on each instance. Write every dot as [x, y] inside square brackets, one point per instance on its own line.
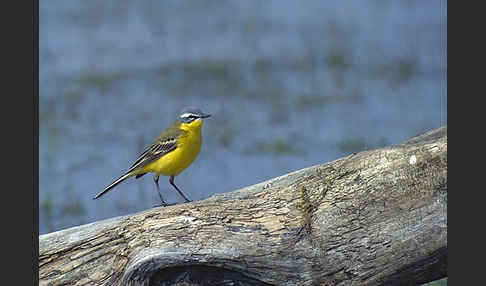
[188, 147]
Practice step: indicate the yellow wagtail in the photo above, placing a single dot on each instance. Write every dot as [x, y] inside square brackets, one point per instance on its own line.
[172, 152]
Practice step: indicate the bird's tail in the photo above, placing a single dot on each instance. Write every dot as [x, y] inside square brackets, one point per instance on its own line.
[112, 185]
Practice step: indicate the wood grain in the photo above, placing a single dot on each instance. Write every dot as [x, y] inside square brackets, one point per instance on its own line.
[378, 217]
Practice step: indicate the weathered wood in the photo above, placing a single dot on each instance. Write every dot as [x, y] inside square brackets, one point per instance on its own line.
[378, 217]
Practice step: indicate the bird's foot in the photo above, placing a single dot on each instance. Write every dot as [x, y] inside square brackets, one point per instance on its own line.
[165, 204]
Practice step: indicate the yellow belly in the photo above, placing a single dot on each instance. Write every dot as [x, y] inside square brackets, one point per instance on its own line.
[174, 162]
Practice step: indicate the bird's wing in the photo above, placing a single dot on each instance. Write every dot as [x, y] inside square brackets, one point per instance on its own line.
[166, 142]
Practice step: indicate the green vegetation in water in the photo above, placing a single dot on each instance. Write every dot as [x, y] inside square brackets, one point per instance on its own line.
[227, 136]
[47, 210]
[355, 145]
[227, 129]
[276, 95]
[61, 214]
[97, 79]
[73, 209]
[337, 44]
[337, 59]
[321, 99]
[277, 146]
[279, 106]
[48, 110]
[73, 96]
[208, 77]
[398, 71]
[73, 99]
[263, 68]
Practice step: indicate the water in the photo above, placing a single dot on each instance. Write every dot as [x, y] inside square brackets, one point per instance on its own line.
[290, 84]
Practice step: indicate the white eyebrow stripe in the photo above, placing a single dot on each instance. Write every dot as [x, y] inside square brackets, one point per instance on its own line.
[185, 115]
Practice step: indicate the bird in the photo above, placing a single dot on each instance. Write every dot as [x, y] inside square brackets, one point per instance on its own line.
[171, 153]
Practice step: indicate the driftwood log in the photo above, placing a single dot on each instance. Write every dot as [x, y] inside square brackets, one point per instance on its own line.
[378, 217]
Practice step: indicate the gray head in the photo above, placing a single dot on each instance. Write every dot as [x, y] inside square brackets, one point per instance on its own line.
[189, 114]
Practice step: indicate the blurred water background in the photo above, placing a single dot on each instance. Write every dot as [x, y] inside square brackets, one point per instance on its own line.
[290, 84]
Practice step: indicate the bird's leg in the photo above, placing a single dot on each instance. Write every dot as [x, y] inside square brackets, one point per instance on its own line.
[171, 180]
[156, 180]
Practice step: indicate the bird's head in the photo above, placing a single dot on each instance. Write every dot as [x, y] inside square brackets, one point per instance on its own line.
[192, 116]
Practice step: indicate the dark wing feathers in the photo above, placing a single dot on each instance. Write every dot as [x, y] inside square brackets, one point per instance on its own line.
[153, 152]
[165, 143]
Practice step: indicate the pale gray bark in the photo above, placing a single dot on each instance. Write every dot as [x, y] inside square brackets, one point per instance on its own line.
[378, 217]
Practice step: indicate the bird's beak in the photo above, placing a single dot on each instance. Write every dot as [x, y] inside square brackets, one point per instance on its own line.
[205, 115]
